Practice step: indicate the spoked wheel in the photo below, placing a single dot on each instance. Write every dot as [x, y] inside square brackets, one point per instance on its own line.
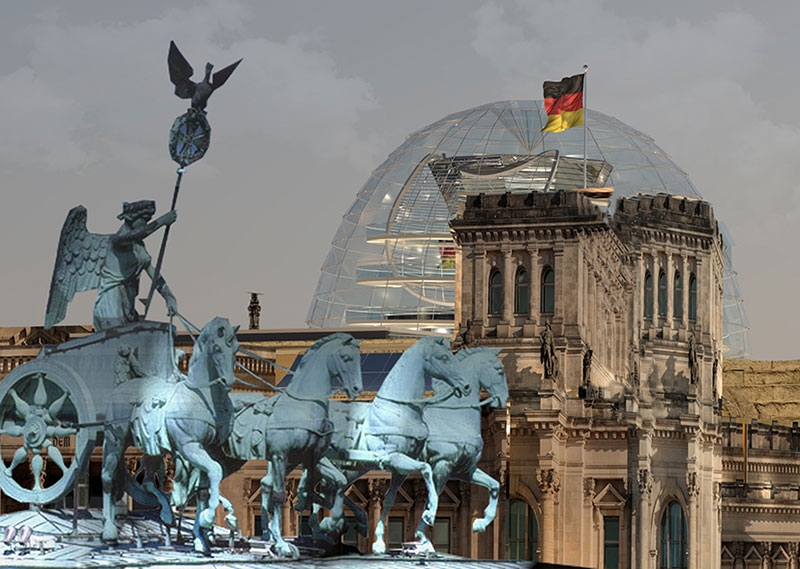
[41, 401]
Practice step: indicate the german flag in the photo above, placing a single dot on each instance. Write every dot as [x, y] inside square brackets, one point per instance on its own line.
[563, 101]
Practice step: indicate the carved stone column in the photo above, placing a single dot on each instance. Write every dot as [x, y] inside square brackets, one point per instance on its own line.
[685, 299]
[535, 284]
[794, 552]
[464, 526]
[693, 491]
[645, 486]
[508, 287]
[737, 550]
[560, 285]
[670, 276]
[288, 515]
[589, 493]
[766, 560]
[549, 485]
[479, 292]
[376, 490]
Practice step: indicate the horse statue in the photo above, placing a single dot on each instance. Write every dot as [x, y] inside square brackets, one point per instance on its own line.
[188, 416]
[386, 434]
[454, 445]
[292, 428]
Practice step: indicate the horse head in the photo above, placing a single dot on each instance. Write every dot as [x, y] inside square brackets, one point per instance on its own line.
[488, 370]
[441, 364]
[344, 364]
[332, 359]
[214, 355]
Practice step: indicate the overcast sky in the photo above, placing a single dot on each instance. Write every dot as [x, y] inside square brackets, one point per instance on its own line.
[328, 89]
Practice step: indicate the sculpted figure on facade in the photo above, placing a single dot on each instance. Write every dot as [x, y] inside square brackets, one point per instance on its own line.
[587, 367]
[548, 353]
[112, 264]
[549, 481]
[693, 371]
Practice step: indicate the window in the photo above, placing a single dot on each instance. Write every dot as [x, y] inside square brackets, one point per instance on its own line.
[692, 297]
[611, 542]
[522, 289]
[523, 532]
[677, 296]
[495, 292]
[662, 294]
[441, 535]
[648, 295]
[673, 537]
[350, 536]
[394, 533]
[548, 300]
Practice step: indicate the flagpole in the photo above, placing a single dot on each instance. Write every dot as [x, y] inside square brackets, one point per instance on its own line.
[585, 127]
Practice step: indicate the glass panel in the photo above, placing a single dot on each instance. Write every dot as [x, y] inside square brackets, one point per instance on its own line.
[648, 295]
[496, 293]
[548, 291]
[677, 296]
[395, 533]
[350, 536]
[441, 535]
[611, 529]
[662, 294]
[611, 557]
[522, 293]
[692, 298]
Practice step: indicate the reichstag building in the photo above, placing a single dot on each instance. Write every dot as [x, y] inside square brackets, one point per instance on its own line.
[622, 334]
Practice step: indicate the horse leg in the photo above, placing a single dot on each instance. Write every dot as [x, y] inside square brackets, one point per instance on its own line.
[230, 518]
[152, 464]
[281, 547]
[197, 455]
[441, 473]
[481, 478]
[112, 452]
[403, 464]
[332, 476]
[266, 500]
[379, 545]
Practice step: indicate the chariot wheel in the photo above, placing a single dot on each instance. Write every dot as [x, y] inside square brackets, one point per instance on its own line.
[40, 402]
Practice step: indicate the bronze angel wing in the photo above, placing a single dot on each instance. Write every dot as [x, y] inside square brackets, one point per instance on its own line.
[79, 261]
[180, 72]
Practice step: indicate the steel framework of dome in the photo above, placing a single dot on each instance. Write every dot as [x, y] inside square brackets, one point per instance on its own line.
[392, 261]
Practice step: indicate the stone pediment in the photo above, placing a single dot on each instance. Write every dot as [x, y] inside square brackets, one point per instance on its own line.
[609, 497]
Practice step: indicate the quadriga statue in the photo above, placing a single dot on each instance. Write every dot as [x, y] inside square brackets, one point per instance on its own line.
[292, 428]
[187, 416]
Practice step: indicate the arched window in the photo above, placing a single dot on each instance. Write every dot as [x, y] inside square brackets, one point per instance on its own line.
[495, 292]
[548, 300]
[523, 532]
[648, 295]
[692, 297]
[677, 296]
[673, 537]
[522, 293]
[662, 294]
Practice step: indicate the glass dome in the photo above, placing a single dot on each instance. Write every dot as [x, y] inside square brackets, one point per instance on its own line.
[392, 261]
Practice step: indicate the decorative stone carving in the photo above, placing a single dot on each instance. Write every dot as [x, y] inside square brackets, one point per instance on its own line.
[692, 485]
[376, 489]
[254, 311]
[589, 489]
[645, 481]
[587, 367]
[549, 481]
[793, 548]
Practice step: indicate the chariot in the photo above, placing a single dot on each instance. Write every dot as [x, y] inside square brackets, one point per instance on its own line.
[58, 401]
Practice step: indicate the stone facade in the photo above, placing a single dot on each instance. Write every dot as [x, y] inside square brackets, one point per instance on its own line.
[628, 422]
